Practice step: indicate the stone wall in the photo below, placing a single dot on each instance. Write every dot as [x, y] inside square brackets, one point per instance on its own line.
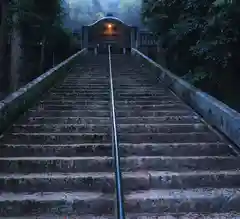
[216, 113]
[18, 102]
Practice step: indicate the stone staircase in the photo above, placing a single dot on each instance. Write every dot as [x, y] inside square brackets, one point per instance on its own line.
[55, 161]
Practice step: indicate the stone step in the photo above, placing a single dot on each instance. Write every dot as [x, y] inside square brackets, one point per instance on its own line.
[58, 106]
[106, 113]
[231, 215]
[123, 104]
[81, 98]
[189, 200]
[59, 203]
[105, 120]
[61, 128]
[67, 102]
[168, 137]
[86, 150]
[161, 119]
[57, 138]
[66, 113]
[105, 181]
[85, 87]
[104, 164]
[160, 106]
[81, 93]
[122, 128]
[105, 137]
[89, 76]
[64, 120]
[208, 200]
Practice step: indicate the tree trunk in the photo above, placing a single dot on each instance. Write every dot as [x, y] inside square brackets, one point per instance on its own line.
[16, 54]
[42, 54]
[3, 45]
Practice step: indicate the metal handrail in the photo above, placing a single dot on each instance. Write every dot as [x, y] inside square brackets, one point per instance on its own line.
[118, 176]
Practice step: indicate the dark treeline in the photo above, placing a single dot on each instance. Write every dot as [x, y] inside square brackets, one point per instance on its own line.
[32, 40]
[201, 41]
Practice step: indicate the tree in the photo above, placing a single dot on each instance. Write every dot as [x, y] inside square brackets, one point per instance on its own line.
[201, 39]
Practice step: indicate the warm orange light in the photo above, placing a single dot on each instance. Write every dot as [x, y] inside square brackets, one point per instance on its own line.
[109, 26]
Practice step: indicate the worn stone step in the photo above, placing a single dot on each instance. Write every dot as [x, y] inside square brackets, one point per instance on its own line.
[105, 137]
[210, 200]
[64, 120]
[123, 128]
[57, 138]
[82, 88]
[152, 98]
[230, 215]
[146, 105]
[92, 76]
[159, 107]
[106, 113]
[123, 104]
[49, 150]
[55, 182]
[105, 181]
[162, 128]
[66, 113]
[181, 164]
[144, 102]
[104, 164]
[87, 82]
[106, 120]
[71, 106]
[81, 94]
[157, 120]
[84, 78]
[75, 102]
[141, 94]
[86, 150]
[194, 179]
[59, 203]
[168, 137]
[154, 113]
[85, 85]
[80, 98]
[56, 164]
[60, 128]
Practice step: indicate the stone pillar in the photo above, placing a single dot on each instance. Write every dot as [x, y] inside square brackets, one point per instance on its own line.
[137, 39]
[95, 51]
[133, 37]
[85, 37]
[124, 50]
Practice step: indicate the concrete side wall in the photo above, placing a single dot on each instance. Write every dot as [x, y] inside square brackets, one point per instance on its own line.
[216, 113]
[18, 102]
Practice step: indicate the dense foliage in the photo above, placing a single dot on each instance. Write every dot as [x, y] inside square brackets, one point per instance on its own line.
[36, 38]
[42, 29]
[201, 40]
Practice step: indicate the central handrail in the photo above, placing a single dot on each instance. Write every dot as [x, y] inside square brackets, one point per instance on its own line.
[118, 176]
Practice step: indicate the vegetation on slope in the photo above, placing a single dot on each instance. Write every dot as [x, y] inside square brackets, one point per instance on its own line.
[201, 40]
[34, 39]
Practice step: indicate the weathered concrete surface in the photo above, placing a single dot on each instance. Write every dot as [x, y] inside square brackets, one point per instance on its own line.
[216, 113]
[18, 102]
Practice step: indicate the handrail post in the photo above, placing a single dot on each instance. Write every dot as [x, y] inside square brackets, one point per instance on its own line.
[116, 157]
